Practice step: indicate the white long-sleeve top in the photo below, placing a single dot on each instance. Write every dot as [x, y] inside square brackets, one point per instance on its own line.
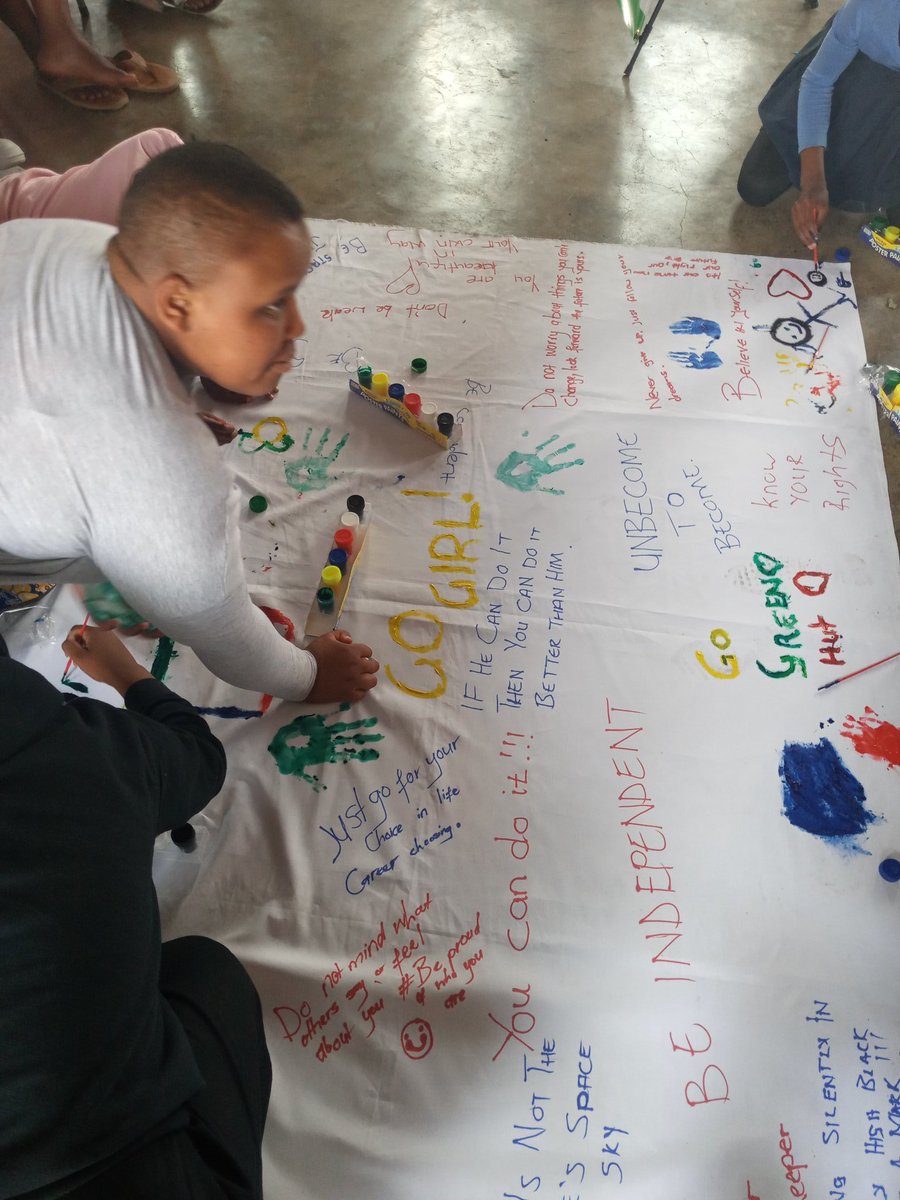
[104, 466]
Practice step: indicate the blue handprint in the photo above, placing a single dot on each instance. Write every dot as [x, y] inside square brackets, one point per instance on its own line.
[700, 362]
[698, 327]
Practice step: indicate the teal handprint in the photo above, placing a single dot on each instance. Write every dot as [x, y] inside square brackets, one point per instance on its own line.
[325, 743]
[525, 471]
[310, 474]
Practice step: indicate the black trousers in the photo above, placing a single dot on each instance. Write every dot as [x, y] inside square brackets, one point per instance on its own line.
[764, 174]
[217, 1156]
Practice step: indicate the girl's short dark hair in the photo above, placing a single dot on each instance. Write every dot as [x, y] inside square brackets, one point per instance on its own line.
[193, 202]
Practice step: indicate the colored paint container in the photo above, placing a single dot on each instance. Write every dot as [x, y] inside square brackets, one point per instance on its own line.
[325, 599]
[413, 402]
[445, 423]
[419, 365]
[350, 520]
[892, 233]
[889, 870]
[842, 254]
[429, 410]
[356, 504]
[343, 539]
[337, 558]
[380, 383]
[396, 391]
[331, 576]
[258, 504]
[364, 375]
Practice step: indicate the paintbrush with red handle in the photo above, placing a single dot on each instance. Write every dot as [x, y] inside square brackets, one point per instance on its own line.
[79, 635]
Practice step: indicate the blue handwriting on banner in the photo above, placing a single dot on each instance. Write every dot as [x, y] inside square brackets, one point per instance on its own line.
[396, 817]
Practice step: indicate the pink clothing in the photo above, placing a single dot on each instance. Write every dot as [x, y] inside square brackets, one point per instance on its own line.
[92, 192]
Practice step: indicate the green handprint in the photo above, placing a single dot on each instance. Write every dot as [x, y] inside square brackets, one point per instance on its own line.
[524, 471]
[324, 744]
[310, 474]
[105, 603]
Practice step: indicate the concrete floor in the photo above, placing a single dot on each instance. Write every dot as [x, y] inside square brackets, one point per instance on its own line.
[491, 116]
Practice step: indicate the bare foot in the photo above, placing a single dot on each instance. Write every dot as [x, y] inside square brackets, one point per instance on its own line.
[72, 58]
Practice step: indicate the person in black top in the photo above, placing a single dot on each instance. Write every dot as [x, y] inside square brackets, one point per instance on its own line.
[129, 1069]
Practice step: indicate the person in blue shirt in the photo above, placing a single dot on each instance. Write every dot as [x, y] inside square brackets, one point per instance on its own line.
[831, 122]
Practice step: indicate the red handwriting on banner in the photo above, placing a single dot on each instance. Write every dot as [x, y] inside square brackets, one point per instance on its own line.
[654, 875]
[677, 266]
[837, 472]
[746, 387]
[786, 283]
[564, 316]
[516, 753]
[515, 746]
[411, 311]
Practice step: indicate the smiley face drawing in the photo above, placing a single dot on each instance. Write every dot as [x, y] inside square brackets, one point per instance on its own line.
[416, 1038]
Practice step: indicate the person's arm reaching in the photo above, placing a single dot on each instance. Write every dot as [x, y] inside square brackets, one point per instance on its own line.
[176, 559]
[814, 116]
[237, 642]
[187, 760]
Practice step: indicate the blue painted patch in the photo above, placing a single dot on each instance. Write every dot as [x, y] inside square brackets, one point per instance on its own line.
[707, 361]
[820, 795]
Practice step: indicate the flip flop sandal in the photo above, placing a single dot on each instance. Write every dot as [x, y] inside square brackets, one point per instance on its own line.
[152, 78]
[197, 10]
[74, 92]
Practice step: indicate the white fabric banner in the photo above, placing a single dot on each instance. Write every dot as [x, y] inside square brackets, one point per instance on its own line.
[584, 899]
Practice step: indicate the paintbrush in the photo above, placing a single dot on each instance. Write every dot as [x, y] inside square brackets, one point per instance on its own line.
[79, 635]
[870, 667]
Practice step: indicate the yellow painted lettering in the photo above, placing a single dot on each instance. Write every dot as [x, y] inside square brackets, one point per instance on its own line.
[459, 554]
[395, 625]
[438, 690]
[727, 660]
[469, 588]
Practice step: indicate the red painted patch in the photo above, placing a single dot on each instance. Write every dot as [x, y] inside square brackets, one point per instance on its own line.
[873, 737]
[285, 627]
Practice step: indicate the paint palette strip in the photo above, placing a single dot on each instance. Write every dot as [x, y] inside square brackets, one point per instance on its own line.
[398, 410]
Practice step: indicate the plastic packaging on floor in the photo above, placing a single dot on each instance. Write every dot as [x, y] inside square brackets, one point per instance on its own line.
[884, 384]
